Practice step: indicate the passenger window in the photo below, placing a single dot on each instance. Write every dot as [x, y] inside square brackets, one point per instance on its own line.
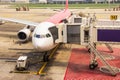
[48, 35]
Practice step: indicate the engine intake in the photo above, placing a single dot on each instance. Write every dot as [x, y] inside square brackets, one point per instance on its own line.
[24, 35]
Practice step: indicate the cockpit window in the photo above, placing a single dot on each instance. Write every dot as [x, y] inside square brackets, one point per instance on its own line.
[48, 35]
[37, 36]
[42, 35]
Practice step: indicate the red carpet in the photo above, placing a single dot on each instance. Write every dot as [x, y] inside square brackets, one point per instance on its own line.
[78, 69]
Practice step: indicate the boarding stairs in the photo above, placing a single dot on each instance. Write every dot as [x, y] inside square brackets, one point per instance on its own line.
[107, 68]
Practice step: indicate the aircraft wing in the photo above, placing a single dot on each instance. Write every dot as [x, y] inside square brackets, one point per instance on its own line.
[20, 21]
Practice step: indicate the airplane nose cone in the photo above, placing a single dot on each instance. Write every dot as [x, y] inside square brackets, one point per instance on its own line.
[42, 44]
[38, 44]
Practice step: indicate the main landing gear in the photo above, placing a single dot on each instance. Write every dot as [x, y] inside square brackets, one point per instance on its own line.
[93, 65]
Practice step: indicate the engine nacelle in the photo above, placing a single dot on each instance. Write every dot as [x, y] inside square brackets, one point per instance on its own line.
[24, 35]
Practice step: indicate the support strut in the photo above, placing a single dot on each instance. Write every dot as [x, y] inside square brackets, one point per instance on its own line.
[98, 54]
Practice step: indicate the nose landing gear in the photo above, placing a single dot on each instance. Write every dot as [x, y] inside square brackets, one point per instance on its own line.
[46, 57]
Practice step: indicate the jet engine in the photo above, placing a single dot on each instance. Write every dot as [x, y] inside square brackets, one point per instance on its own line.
[24, 35]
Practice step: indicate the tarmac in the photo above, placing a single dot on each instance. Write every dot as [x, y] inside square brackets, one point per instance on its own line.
[10, 49]
[80, 58]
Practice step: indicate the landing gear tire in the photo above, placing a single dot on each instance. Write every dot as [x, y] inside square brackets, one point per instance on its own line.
[46, 58]
[93, 65]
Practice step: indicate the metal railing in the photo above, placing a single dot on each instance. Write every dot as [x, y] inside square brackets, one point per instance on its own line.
[98, 54]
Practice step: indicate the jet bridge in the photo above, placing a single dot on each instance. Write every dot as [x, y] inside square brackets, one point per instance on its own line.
[72, 33]
[107, 34]
[87, 31]
[76, 31]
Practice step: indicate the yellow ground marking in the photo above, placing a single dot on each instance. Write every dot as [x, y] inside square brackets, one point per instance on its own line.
[40, 72]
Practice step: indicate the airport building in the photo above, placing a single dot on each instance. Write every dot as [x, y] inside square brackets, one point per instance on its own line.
[104, 0]
[60, 1]
[70, 1]
[38, 1]
[25, 1]
[21, 1]
[82, 1]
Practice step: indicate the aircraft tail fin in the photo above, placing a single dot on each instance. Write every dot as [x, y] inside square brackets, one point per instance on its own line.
[66, 6]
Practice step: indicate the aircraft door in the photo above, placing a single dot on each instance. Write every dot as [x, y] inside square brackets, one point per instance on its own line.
[73, 33]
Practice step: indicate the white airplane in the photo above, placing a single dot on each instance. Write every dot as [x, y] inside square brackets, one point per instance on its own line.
[43, 37]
